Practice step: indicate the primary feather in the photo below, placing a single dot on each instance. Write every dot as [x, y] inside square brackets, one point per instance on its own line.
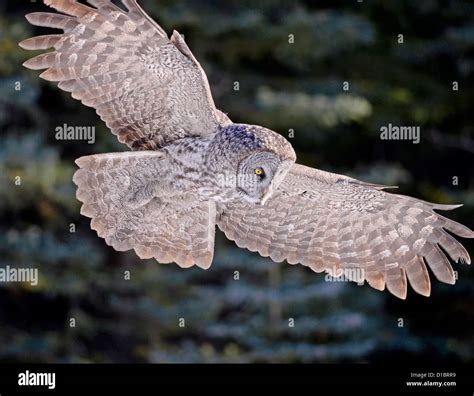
[149, 90]
[340, 225]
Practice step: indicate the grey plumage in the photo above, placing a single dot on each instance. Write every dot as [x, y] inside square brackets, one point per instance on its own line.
[149, 89]
[195, 169]
[333, 223]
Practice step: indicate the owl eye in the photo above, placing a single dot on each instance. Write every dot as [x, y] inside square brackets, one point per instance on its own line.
[259, 172]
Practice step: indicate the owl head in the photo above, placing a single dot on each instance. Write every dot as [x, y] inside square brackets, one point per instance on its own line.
[257, 157]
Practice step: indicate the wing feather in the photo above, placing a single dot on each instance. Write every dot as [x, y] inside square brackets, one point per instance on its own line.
[149, 90]
[109, 187]
[340, 225]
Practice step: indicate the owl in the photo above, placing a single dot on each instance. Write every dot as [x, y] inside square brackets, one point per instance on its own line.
[191, 168]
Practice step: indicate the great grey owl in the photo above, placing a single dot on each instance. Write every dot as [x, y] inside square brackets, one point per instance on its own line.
[192, 168]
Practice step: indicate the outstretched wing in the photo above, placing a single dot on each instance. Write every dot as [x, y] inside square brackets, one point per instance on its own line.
[149, 90]
[340, 225]
[119, 193]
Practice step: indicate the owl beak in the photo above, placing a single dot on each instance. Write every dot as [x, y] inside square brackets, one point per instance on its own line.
[276, 181]
[265, 197]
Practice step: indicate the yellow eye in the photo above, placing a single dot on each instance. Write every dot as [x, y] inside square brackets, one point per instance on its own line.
[259, 171]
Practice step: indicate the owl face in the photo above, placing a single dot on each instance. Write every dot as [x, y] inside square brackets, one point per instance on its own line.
[259, 174]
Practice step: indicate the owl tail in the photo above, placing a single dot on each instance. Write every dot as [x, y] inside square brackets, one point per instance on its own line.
[119, 192]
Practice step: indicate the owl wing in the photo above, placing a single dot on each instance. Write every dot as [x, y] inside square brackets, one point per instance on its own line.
[149, 90]
[340, 225]
[121, 194]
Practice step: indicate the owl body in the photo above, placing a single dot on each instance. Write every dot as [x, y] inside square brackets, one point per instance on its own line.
[193, 169]
[221, 167]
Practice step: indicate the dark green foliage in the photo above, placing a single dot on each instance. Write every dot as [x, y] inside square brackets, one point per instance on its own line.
[287, 87]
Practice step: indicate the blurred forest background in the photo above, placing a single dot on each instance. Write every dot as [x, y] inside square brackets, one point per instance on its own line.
[288, 87]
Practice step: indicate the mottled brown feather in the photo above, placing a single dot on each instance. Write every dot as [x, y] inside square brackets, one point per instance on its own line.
[334, 223]
[107, 182]
[165, 96]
